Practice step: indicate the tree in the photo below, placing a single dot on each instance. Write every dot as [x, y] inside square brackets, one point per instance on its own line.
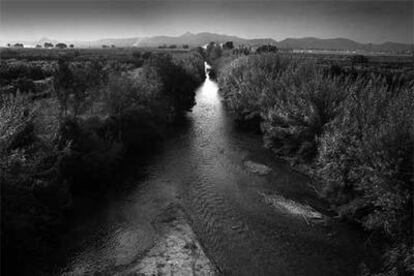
[173, 46]
[48, 45]
[74, 85]
[242, 50]
[105, 46]
[214, 51]
[38, 46]
[8, 45]
[267, 49]
[185, 46]
[18, 45]
[61, 45]
[228, 45]
[112, 46]
[71, 46]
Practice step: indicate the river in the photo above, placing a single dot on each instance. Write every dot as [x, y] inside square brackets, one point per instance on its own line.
[211, 201]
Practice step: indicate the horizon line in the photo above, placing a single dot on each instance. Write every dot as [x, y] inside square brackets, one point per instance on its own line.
[198, 33]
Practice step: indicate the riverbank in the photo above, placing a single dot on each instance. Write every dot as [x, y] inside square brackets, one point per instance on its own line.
[74, 141]
[343, 127]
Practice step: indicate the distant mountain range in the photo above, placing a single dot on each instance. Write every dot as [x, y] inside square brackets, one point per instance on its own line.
[202, 39]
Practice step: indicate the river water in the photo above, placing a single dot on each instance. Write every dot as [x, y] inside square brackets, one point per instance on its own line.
[247, 213]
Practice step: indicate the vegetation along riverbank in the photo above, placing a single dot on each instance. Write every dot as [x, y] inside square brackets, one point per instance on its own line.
[349, 125]
[67, 122]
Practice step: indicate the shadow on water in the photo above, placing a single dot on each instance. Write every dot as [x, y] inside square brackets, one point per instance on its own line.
[248, 223]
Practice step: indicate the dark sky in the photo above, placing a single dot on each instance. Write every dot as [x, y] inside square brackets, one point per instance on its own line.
[364, 21]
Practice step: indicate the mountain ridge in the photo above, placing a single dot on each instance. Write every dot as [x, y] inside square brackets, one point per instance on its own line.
[202, 38]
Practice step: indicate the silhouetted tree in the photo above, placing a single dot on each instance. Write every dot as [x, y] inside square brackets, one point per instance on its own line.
[71, 46]
[48, 45]
[185, 46]
[228, 45]
[242, 50]
[61, 45]
[267, 49]
[214, 51]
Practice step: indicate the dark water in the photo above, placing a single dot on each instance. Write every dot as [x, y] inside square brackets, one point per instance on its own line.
[201, 170]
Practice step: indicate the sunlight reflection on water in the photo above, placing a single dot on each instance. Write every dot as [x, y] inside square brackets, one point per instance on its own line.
[208, 92]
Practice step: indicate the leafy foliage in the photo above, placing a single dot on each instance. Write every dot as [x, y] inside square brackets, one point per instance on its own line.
[355, 131]
[267, 49]
[33, 194]
[53, 148]
[366, 161]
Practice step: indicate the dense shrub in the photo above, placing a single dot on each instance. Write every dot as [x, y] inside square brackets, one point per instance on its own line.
[267, 49]
[11, 71]
[302, 103]
[366, 163]
[33, 193]
[103, 115]
[75, 84]
[178, 84]
[240, 85]
[245, 81]
[355, 130]
[292, 100]
[213, 52]
[73, 142]
[228, 45]
[24, 85]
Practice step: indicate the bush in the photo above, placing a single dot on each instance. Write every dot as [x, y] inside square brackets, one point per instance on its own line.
[366, 160]
[33, 194]
[95, 153]
[292, 100]
[178, 85]
[304, 101]
[213, 52]
[73, 143]
[24, 85]
[267, 49]
[355, 131]
[228, 45]
[135, 108]
[12, 71]
[246, 80]
[75, 84]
